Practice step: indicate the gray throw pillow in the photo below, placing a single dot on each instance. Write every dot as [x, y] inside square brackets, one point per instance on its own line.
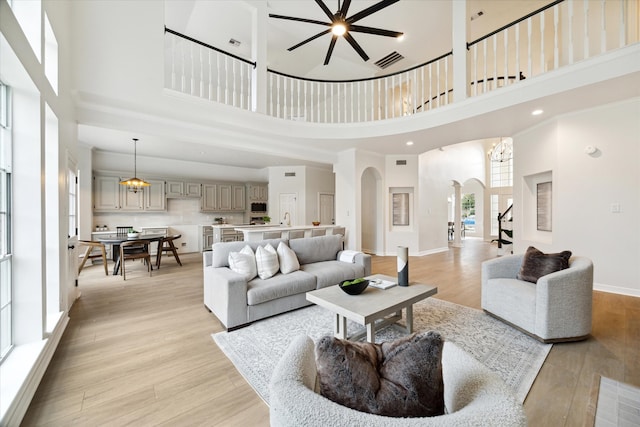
[536, 264]
[401, 378]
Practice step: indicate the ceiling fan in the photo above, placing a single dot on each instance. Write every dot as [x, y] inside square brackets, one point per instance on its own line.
[343, 26]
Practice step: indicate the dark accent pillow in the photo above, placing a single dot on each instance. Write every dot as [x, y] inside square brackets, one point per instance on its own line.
[400, 378]
[536, 264]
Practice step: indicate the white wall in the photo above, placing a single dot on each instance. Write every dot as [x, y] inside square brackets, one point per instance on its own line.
[402, 179]
[317, 181]
[586, 188]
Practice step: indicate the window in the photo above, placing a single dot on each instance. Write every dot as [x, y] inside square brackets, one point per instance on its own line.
[6, 326]
[73, 216]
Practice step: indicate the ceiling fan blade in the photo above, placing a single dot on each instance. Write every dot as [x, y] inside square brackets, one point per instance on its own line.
[293, 18]
[330, 51]
[368, 11]
[310, 39]
[345, 8]
[354, 44]
[326, 10]
[376, 31]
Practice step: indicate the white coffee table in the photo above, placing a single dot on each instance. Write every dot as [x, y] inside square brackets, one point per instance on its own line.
[374, 308]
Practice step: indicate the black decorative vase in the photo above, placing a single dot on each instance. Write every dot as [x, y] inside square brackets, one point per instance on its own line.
[403, 266]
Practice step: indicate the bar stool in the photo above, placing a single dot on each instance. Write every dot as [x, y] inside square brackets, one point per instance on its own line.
[318, 232]
[271, 235]
[339, 230]
[87, 254]
[296, 234]
[170, 247]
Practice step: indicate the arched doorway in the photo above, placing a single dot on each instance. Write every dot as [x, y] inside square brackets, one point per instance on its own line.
[371, 212]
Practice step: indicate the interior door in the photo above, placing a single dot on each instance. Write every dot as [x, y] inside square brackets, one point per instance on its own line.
[72, 242]
[326, 208]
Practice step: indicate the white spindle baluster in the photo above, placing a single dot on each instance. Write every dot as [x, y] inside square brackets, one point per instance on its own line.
[209, 75]
[242, 67]
[623, 24]
[386, 97]
[486, 60]
[570, 18]
[173, 61]
[475, 69]
[226, 80]
[556, 49]
[201, 94]
[430, 86]
[603, 27]
[414, 90]
[304, 105]
[298, 96]
[505, 37]
[326, 116]
[495, 60]
[543, 67]
[183, 62]
[278, 111]
[291, 85]
[359, 97]
[446, 80]
[438, 81]
[586, 29]
[218, 66]
[529, 48]
[517, 49]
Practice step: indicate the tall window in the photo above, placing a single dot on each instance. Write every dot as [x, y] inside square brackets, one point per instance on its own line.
[6, 337]
[501, 159]
[73, 210]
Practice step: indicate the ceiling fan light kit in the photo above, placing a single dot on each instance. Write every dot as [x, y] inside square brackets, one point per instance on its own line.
[343, 26]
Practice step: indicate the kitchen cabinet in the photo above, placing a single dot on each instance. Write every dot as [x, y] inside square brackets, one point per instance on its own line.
[258, 193]
[106, 193]
[239, 197]
[110, 196]
[210, 198]
[223, 198]
[154, 196]
[184, 189]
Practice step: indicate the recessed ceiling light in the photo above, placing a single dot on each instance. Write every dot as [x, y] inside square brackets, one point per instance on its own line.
[536, 112]
[409, 142]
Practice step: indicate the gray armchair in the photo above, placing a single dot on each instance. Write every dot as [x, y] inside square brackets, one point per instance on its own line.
[557, 308]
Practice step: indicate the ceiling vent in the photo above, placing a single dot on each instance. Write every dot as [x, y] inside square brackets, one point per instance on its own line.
[289, 174]
[401, 163]
[234, 42]
[389, 60]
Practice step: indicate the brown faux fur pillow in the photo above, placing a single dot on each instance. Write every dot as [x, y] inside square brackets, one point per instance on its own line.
[401, 378]
[536, 264]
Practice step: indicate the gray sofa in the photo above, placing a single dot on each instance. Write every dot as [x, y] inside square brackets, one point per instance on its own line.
[236, 302]
[557, 308]
[473, 395]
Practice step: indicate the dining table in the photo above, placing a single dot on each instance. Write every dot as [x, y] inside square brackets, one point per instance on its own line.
[116, 239]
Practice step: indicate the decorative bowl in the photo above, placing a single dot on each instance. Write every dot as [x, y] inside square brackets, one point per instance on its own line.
[133, 234]
[315, 223]
[354, 288]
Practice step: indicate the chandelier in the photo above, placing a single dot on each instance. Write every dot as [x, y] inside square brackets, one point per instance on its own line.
[134, 184]
[503, 151]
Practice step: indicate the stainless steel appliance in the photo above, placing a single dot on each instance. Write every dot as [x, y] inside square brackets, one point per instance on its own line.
[258, 207]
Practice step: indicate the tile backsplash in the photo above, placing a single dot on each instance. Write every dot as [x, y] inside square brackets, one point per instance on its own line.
[179, 212]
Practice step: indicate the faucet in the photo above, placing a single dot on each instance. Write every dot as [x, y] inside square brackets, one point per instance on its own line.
[287, 216]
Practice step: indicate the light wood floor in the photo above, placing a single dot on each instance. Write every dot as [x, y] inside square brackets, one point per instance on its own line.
[140, 352]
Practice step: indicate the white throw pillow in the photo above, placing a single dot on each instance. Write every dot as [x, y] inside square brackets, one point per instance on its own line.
[287, 258]
[267, 261]
[243, 262]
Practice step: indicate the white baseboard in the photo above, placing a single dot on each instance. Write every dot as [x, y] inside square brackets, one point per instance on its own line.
[616, 290]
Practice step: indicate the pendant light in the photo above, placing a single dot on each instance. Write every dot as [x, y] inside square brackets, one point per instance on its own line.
[134, 184]
[503, 152]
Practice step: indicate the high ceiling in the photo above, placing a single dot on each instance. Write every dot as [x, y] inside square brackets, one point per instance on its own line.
[425, 23]
[271, 142]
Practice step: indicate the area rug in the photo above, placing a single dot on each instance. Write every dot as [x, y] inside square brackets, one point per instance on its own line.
[516, 357]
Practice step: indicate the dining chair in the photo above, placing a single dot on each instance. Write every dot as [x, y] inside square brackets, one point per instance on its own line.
[318, 232]
[88, 255]
[296, 234]
[339, 230]
[166, 245]
[138, 249]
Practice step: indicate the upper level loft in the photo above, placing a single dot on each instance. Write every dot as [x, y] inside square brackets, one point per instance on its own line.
[560, 34]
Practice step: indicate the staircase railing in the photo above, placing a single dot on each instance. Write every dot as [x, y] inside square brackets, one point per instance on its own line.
[502, 231]
[558, 34]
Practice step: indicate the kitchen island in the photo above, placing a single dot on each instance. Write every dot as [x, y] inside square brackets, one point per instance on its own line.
[257, 233]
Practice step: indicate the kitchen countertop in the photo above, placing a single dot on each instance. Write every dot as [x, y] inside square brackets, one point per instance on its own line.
[281, 227]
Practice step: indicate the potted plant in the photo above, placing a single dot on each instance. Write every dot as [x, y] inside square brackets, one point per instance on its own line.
[266, 219]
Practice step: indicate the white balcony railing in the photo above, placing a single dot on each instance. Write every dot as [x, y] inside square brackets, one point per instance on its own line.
[560, 34]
